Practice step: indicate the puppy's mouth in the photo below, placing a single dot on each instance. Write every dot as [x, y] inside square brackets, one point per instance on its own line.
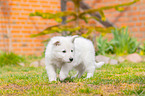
[69, 62]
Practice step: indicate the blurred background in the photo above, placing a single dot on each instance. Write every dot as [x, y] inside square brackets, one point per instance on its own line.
[19, 19]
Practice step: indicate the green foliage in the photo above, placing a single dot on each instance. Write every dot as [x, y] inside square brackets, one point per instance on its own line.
[103, 46]
[10, 59]
[142, 49]
[123, 43]
[76, 16]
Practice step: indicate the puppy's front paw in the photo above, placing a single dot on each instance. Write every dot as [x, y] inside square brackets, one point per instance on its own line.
[62, 77]
[52, 79]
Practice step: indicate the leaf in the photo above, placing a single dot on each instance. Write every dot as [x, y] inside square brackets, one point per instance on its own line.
[120, 9]
[70, 20]
[56, 16]
[59, 20]
[103, 18]
[85, 19]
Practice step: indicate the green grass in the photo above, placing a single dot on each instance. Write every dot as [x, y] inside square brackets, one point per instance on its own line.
[110, 80]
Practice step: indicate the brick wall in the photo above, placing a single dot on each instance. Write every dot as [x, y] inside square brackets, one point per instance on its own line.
[16, 25]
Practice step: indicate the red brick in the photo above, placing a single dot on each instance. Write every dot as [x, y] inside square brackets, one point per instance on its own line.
[45, 2]
[35, 18]
[15, 31]
[142, 12]
[135, 18]
[33, 1]
[17, 36]
[135, 29]
[134, 8]
[35, 5]
[3, 26]
[16, 0]
[24, 5]
[142, 29]
[26, 36]
[3, 21]
[17, 27]
[123, 19]
[28, 27]
[16, 9]
[39, 10]
[29, 40]
[27, 9]
[138, 23]
[22, 18]
[27, 49]
[37, 40]
[142, 18]
[24, 1]
[15, 45]
[26, 14]
[13, 4]
[141, 7]
[134, 13]
[139, 35]
[22, 22]
[14, 13]
[25, 31]
[54, 2]
[46, 6]
[17, 50]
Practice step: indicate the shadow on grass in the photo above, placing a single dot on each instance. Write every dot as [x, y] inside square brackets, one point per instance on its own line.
[68, 79]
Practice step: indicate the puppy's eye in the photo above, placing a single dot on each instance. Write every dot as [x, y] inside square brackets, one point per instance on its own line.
[71, 50]
[64, 51]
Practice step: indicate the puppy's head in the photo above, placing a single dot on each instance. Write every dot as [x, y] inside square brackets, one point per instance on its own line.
[63, 49]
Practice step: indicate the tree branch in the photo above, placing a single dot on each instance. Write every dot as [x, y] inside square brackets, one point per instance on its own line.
[106, 23]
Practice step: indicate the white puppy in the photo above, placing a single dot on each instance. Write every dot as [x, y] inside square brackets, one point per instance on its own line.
[67, 53]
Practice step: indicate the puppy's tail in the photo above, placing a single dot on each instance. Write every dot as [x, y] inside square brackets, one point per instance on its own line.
[99, 64]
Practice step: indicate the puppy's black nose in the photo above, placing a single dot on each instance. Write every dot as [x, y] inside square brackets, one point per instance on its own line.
[71, 59]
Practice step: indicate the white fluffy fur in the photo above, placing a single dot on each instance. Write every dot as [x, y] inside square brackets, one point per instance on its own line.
[80, 49]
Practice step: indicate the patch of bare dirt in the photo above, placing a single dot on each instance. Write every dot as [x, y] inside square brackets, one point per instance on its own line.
[105, 90]
[71, 88]
[16, 87]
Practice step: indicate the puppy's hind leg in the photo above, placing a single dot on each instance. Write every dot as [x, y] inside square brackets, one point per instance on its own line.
[90, 71]
[80, 68]
[90, 68]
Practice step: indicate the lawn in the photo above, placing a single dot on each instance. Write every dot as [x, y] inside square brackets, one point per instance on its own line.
[110, 80]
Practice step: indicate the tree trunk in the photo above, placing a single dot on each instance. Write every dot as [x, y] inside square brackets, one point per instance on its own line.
[63, 8]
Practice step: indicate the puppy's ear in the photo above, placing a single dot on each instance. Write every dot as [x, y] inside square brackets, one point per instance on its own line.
[56, 43]
[73, 38]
